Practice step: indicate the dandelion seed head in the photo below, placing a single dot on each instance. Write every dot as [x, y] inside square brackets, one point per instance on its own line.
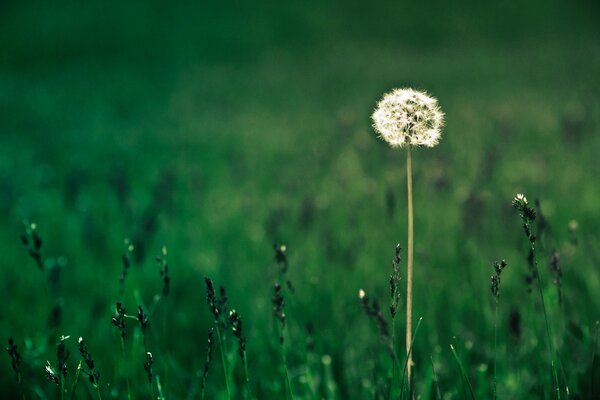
[408, 117]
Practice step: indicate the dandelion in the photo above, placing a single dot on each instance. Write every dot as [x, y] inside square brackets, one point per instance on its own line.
[408, 118]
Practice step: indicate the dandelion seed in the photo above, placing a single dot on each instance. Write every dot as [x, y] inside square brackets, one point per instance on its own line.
[408, 117]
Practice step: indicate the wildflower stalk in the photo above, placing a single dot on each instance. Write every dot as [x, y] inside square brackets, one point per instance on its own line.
[462, 371]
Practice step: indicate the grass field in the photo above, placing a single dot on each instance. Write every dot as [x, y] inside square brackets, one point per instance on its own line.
[219, 131]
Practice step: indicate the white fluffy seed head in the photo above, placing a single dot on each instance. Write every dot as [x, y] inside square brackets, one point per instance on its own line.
[408, 117]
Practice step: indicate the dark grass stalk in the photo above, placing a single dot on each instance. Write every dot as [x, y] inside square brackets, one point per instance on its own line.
[528, 217]
[149, 373]
[15, 358]
[92, 373]
[209, 352]
[595, 345]
[495, 287]
[394, 282]
[463, 373]
[407, 362]
[217, 307]
[279, 314]
[435, 380]
[235, 321]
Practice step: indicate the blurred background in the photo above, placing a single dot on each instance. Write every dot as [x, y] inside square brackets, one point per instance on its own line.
[217, 129]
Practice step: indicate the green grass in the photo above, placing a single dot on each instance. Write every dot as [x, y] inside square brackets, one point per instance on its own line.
[220, 131]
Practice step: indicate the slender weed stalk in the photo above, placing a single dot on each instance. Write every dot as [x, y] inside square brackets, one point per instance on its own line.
[528, 216]
[408, 118]
[495, 287]
[217, 307]
[279, 313]
[463, 373]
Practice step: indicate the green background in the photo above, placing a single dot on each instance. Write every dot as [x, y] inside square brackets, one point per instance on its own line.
[220, 128]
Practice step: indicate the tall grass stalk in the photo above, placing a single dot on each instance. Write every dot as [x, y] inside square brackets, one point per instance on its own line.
[463, 373]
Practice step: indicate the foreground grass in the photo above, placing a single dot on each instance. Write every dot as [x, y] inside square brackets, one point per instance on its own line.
[218, 151]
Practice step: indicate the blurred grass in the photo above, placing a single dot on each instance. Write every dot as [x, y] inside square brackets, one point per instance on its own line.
[219, 130]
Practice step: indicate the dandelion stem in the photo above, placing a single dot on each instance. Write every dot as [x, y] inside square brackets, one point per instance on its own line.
[222, 348]
[409, 277]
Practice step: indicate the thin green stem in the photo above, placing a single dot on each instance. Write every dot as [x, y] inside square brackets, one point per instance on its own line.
[98, 392]
[495, 383]
[76, 380]
[551, 349]
[409, 277]
[126, 374]
[288, 384]
[463, 373]
[408, 354]
[394, 356]
[223, 362]
[435, 380]
[594, 360]
[246, 375]
[159, 386]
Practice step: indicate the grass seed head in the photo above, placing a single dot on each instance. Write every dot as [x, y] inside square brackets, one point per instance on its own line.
[15, 359]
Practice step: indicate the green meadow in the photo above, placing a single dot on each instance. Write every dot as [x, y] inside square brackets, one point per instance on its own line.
[216, 130]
